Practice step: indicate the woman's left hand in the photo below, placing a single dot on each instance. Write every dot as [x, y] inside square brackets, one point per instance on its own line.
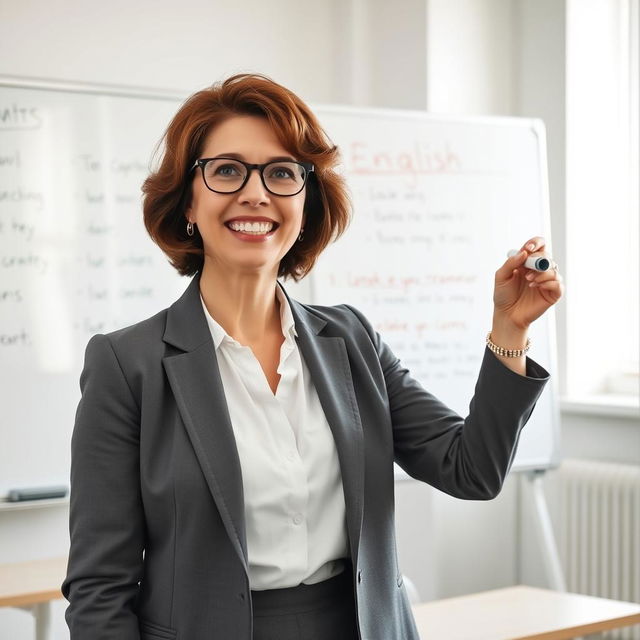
[522, 295]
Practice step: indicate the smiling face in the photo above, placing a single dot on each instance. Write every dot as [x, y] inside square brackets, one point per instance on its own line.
[226, 246]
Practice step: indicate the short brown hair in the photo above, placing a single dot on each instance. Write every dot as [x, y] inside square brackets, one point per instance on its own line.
[167, 191]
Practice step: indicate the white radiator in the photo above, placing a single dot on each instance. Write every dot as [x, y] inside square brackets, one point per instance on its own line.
[599, 535]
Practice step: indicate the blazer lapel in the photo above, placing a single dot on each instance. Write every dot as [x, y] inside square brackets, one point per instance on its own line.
[328, 362]
[195, 380]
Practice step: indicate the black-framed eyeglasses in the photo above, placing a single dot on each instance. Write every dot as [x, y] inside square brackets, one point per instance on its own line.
[228, 175]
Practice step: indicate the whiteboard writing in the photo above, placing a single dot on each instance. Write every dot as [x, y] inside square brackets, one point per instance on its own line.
[75, 259]
[437, 203]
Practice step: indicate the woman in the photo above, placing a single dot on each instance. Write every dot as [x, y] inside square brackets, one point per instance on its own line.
[232, 457]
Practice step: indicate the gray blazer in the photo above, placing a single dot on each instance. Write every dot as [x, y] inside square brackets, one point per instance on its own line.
[158, 545]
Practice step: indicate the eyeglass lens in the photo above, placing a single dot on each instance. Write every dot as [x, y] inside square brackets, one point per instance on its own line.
[282, 178]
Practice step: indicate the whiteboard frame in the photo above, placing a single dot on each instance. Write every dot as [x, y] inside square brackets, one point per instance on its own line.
[121, 91]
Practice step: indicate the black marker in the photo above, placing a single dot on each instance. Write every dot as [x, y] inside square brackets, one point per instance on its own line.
[36, 493]
[535, 261]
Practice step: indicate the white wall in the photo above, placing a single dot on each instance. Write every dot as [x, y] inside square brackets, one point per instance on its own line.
[461, 56]
[469, 57]
[166, 44]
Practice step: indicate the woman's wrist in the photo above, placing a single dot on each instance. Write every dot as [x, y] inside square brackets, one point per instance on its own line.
[509, 336]
[507, 339]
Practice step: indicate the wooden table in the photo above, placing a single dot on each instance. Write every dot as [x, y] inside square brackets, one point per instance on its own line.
[515, 613]
[521, 613]
[32, 586]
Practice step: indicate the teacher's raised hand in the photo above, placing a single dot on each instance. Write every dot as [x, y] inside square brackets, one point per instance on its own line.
[522, 295]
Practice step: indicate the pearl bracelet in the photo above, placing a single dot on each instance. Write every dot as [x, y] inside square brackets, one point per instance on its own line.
[509, 353]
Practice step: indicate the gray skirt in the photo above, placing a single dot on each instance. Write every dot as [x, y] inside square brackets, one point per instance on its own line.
[322, 611]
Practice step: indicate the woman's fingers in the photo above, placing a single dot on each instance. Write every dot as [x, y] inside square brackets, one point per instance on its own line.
[511, 264]
[538, 277]
[534, 245]
[516, 262]
[555, 289]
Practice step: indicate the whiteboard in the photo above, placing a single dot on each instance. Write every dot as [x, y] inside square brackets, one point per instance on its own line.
[437, 203]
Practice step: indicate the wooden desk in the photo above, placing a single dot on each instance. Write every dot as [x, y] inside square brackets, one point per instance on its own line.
[521, 613]
[32, 586]
[515, 613]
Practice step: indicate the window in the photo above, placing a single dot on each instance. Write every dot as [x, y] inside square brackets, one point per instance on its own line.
[603, 208]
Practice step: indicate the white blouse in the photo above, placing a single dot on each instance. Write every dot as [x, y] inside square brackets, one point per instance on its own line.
[293, 498]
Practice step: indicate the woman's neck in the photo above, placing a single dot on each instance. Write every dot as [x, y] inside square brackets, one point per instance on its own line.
[244, 304]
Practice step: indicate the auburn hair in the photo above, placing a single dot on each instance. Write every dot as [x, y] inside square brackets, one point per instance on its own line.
[167, 191]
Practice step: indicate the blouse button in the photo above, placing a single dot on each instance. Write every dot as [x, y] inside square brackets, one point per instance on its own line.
[297, 519]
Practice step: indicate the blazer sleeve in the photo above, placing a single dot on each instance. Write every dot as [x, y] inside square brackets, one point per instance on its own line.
[465, 457]
[106, 522]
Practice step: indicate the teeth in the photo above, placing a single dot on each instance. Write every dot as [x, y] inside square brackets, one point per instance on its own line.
[252, 227]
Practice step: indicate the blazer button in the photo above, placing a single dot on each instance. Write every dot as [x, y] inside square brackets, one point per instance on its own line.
[400, 580]
[359, 577]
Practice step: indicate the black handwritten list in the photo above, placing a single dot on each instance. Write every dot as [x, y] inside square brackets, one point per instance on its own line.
[75, 259]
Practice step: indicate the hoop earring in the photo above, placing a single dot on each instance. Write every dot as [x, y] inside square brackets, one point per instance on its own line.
[300, 236]
[190, 228]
